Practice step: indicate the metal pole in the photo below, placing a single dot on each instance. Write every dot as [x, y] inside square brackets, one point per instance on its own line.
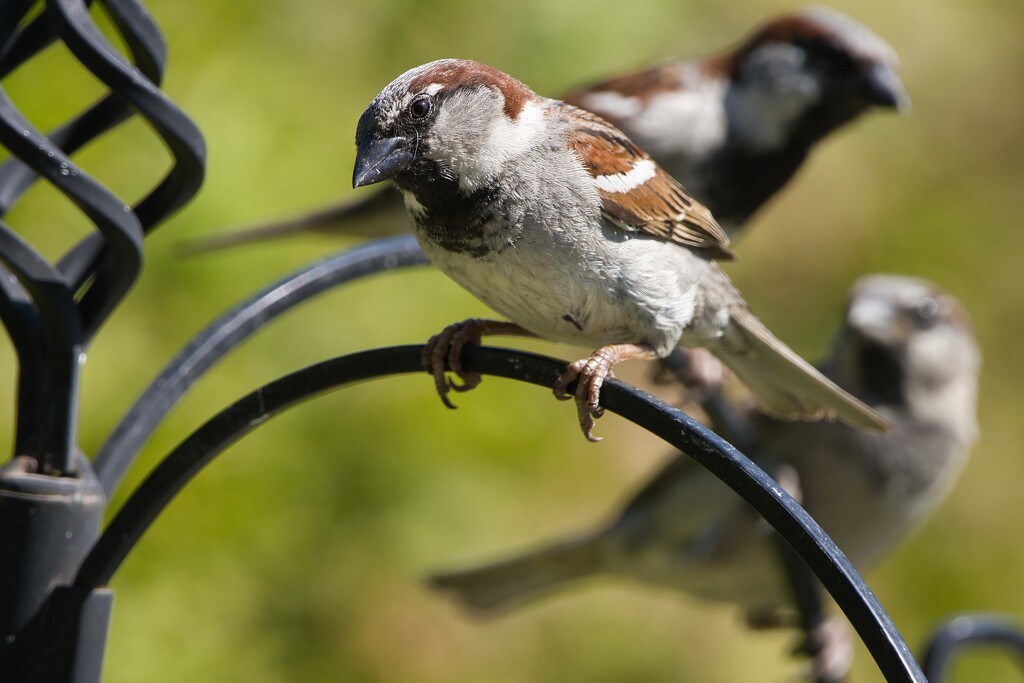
[49, 524]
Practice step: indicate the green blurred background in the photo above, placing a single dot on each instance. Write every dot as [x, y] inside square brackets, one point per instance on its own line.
[298, 554]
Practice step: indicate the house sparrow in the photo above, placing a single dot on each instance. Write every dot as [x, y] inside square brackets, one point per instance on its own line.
[733, 128]
[555, 219]
[907, 350]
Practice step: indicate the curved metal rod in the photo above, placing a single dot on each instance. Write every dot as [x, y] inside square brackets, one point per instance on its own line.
[804, 587]
[38, 307]
[969, 630]
[16, 176]
[108, 262]
[149, 51]
[207, 347]
[31, 39]
[21, 321]
[90, 258]
[818, 551]
[104, 209]
[60, 333]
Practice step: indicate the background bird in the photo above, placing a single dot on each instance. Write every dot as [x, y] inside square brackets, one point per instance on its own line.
[906, 349]
[733, 127]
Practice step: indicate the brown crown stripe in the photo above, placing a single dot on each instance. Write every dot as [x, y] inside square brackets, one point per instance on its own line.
[463, 73]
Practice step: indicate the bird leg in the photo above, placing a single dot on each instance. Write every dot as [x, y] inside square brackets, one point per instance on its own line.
[697, 370]
[830, 647]
[444, 352]
[591, 373]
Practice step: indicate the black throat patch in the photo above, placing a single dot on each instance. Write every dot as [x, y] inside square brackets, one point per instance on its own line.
[476, 224]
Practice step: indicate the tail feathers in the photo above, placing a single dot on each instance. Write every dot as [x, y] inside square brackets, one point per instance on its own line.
[382, 214]
[508, 584]
[785, 384]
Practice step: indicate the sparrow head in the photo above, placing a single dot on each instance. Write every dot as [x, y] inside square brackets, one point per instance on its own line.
[811, 71]
[906, 342]
[454, 119]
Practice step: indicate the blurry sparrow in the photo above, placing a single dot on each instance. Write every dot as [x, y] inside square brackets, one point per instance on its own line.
[553, 218]
[907, 350]
[733, 128]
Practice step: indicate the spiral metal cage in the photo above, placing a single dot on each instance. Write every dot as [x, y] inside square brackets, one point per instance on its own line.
[56, 559]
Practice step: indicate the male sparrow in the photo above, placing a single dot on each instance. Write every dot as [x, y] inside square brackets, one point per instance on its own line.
[906, 349]
[555, 219]
[733, 127]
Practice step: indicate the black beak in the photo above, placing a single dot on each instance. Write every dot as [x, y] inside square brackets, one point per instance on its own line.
[885, 89]
[380, 159]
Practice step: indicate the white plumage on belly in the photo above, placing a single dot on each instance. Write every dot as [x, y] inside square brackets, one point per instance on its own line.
[585, 291]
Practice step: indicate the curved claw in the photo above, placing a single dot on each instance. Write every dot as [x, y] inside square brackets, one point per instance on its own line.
[443, 352]
[591, 373]
[572, 371]
[470, 380]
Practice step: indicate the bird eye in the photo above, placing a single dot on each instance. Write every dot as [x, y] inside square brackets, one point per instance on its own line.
[420, 107]
[927, 312]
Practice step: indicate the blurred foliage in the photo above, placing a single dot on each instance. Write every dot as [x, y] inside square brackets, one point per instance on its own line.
[298, 554]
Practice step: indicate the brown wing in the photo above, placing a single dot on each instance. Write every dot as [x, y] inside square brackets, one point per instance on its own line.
[641, 84]
[637, 194]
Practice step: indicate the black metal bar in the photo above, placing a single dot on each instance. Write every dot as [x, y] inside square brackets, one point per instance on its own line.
[804, 587]
[120, 226]
[101, 269]
[30, 40]
[807, 597]
[100, 260]
[47, 630]
[816, 549]
[75, 636]
[970, 631]
[48, 525]
[11, 15]
[48, 345]
[207, 347]
[149, 51]
[21, 321]
[59, 333]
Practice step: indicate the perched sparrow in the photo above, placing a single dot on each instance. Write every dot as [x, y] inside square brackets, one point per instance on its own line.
[733, 128]
[907, 350]
[553, 218]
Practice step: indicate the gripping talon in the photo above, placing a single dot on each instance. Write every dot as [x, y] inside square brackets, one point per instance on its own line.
[442, 354]
[433, 358]
[586, 423]
[590, 374]
[571, 372]
[471, 380]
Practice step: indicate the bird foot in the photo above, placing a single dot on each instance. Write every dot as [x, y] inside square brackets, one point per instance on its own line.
[831, 650]
[696, 369]
[443, 352]
[590, 374]
[828, 644]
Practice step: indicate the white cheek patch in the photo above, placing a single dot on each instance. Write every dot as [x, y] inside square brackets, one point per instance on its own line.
[698, 112]
[511, 138]
[874, 318]
[690, 122]
[619, 183]
[613, 105]
[503, 141]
